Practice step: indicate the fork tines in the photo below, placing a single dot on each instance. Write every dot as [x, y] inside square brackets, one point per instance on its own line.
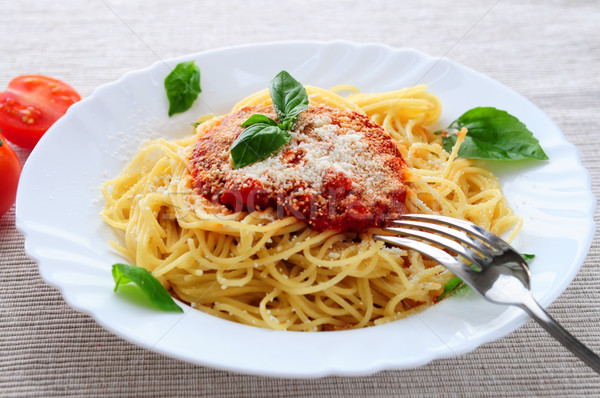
[463, 238]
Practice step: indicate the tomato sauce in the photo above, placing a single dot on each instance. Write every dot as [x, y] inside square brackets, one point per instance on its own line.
[340, 171]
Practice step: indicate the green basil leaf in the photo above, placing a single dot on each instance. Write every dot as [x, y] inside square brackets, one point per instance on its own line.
[263, 135]
[183, 87]
[257, 142]
[289, 97]
[527, 257]
[450, 286]
[258, 118]
[148, 284]
[494, 135]
[288, 123]
[456, 283]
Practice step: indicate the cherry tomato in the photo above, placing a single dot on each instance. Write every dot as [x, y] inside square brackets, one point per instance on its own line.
[30, 105]
[10, 170]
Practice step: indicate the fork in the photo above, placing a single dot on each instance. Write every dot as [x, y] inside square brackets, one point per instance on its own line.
[483, 261]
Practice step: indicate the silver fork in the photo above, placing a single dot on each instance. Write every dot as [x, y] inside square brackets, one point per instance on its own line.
[483, 261]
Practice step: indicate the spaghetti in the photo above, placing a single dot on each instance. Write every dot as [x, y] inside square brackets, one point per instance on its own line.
[261, 269]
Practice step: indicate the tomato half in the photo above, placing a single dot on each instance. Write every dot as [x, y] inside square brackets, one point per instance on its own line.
[30, 105]
[10, 170]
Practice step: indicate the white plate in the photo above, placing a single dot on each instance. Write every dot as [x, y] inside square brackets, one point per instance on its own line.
[58, 204]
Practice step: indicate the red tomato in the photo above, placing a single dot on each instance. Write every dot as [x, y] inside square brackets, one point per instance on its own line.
[30, 105]
[10, 170]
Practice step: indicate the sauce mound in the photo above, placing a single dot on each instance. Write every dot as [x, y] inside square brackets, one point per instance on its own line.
[340, 171]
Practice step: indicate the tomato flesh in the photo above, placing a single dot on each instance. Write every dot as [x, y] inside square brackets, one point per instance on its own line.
[30, 105]
[10, 170]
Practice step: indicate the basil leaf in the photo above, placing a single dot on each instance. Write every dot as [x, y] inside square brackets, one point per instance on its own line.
[289, 98]
[263, 135]
[183, 87]
[257, 142]
[148, 284]
[450, 286]
[456, 283]
[527, 257]
[494, 135]
[258, 118]
[287, 124]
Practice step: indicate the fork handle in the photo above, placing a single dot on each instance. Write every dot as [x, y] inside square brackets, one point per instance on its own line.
[532, 307]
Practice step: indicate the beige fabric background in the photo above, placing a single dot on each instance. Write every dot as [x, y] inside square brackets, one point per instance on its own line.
[549, 51]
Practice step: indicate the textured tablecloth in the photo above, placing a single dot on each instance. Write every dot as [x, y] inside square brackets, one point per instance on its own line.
[549, 51]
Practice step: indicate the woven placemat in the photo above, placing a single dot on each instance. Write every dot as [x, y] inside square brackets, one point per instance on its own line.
[547, 51]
